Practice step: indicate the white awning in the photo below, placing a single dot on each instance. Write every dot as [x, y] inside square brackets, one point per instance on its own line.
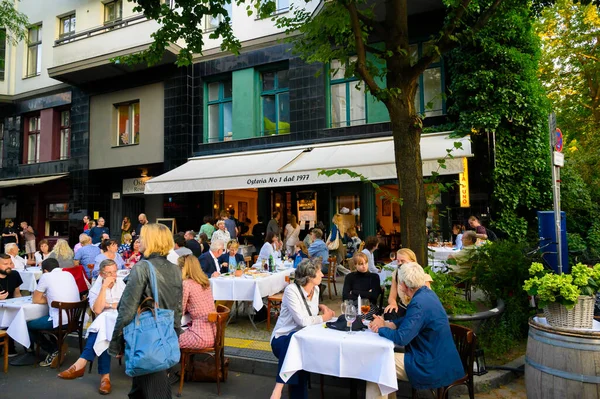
[30, 181]
[373, 158]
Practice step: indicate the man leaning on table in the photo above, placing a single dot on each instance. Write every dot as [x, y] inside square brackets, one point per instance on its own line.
[10, 281]
[430, 360]
[54, 285]
[210, 260]
[12, 249]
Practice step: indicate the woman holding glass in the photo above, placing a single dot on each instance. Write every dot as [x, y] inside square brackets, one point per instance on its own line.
[231, 259]
[299, 308]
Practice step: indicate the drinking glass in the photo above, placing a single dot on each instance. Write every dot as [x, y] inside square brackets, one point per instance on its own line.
[392, 256]
[365, 307]
[242, 265]
[265, 265]
[350, 316]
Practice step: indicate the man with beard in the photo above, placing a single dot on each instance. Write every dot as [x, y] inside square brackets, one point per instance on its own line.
[10, 281]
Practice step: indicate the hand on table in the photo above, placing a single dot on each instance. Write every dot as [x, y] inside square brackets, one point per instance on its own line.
[216, 274]
[377, 323]
[3, 295]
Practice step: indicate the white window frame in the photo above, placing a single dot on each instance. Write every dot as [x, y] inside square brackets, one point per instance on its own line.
[219, 18]
[119, 5]
[65, 136]
[130, 123]
[72, 20]
[31, 45]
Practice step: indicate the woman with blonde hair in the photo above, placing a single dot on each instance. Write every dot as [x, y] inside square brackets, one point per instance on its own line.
[403, 256]
[291, 235]
[198, 302]
[337, 233]
[156, 240]
[63, 253]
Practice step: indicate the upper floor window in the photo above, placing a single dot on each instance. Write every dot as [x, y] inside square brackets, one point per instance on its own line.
[282, 6]
[67, 25]
[128, 123]
[34, 51]
[219, 111]
[213, 22]
[348, 97]
[2, 53]
[33, 139]
[113, 11]
[429, 98]
[275, 102]
[65, 134]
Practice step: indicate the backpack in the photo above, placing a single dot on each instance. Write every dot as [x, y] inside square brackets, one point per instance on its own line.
[491, 235]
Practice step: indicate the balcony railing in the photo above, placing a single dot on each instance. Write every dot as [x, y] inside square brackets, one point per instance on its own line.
[122, 23]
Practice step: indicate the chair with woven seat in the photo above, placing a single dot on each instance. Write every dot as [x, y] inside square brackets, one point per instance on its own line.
[274, 303]
[465, 341]
[220, 318]
[4, 339]
[75, 312]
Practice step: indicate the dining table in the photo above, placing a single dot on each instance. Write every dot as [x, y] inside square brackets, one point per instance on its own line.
[361, 355]
[16, 312]
[438, 257]
[30, 277]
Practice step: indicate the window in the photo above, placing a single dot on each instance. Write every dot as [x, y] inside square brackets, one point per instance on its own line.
[67, 25]
[219, 111]
[34, 51]
[429, 99]
[65, 134]
[275, 98]
[213, 22]
[33, 140]
[282, 6]
[2, 53]
[113, 11]
[128, 123]
[348, 97]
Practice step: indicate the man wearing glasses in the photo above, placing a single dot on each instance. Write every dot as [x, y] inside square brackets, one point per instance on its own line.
[210, 260]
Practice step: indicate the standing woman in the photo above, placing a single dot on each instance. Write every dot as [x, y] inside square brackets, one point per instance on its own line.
[156, 241]
[291, 235]
[337, 232]
[299, 308]
[125, 229]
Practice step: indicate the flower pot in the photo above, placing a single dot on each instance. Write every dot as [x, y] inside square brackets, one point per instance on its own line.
[581, 316]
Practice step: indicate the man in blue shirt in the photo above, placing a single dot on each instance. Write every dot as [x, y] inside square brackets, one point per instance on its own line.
[431, 359]
[318, 248]
[97, 232]
[86, 255]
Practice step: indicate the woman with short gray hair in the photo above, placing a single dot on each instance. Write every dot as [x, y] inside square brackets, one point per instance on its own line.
[299, 308]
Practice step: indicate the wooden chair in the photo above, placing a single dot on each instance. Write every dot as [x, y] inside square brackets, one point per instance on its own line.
[4, 339]
[330, 278]
[248, 259]
[465, 341]
[217, 351]
[254, 259]
[274, 302]
[75, 314]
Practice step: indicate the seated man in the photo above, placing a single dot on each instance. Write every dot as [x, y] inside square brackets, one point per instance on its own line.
[86, 254]
[210, 260]
[460, 262]
[430, 360]
[12, 249]
[180, 248]
[54, 285]
[104, 297]
[10, 281]
[318, 248]
[191, 243]
[361, 282]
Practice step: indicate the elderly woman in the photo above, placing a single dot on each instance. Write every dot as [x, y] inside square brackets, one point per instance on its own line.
[361, 282]
[156, 240]
[105, 295]
[62, 253]
[109, 251]
[269, 247]
[231, 258]
[221, 233]
[198, 302]
[430, 360]
[299, 308]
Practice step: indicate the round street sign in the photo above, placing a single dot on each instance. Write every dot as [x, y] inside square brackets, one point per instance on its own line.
[559, 140]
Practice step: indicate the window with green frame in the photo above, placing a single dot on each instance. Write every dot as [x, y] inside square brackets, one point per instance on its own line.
[219, 103]
[429, 99]
[275, 102]
[348, 97]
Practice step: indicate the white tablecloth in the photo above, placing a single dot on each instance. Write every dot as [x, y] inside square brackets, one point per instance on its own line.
[104, 325]
[248, 288]
[30, 278]
[15, 313]
[362, 355]
[438, 257]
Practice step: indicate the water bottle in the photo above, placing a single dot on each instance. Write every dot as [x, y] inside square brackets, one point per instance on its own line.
[271, 263]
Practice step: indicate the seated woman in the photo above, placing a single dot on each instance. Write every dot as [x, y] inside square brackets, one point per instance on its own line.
[105, 295]
[125, 248]
[430, 360]
[230, 259]
[371, 244]
[62, 253]
[268, 248]
[43, 253]
[204, 243]
[300, 252]
[109, 251]
[403, 256]
[361, 282]
[198, 302]
[299, 308]
[135, 256]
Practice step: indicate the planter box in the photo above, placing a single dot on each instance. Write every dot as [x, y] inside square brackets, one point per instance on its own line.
[581, 316]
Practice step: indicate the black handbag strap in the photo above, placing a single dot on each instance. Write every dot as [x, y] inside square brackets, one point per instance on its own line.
[303, 298]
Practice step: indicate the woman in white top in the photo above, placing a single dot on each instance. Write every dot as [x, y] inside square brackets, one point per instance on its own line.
[291, 235]
[221, 233]
[299, 308]
[268, 247]
[42, 253]
[371, 244]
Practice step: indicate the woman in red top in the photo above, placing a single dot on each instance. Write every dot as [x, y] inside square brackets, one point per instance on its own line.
[198, 302]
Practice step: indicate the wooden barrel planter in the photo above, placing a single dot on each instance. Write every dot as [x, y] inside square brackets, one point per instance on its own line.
[562, 363]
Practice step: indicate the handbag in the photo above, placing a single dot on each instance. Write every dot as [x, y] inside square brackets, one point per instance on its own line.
[151, 344]
[333, 245]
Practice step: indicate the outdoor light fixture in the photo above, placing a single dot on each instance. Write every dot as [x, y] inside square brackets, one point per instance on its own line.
[144, 172]
[277, 205]
[216, 206]
[479, 363]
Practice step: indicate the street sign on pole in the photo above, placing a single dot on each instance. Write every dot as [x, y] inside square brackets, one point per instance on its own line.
[557, 161]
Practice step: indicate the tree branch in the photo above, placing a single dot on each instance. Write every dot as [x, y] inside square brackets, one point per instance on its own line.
[371, 23]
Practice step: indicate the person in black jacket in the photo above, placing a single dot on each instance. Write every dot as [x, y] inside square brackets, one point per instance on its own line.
[210, 260]
[231, 257]
[191, 243]
[361, 282]
[259, 232]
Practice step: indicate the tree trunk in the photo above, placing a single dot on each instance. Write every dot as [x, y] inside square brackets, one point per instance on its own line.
[406, 131]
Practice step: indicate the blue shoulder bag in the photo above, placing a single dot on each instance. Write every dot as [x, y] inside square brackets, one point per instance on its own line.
[151, 344]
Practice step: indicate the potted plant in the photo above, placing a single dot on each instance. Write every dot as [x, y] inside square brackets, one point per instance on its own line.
[567, 299]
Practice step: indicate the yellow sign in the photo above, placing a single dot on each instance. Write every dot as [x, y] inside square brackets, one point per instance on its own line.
[96, 215]
[463, 178]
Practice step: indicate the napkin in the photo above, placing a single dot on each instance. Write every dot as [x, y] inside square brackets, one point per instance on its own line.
[340, 324]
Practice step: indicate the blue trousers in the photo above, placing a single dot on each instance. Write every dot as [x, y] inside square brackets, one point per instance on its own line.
[89, 355]
[34, 326]
[299, 381]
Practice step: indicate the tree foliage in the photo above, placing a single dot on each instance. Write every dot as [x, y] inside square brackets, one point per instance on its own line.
[13, 22]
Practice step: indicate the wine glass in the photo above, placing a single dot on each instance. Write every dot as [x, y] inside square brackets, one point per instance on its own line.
[242, 265]
[350, 313]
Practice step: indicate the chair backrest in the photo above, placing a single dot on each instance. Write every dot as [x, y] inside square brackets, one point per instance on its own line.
[332, 267]
[247, 259]
[465, 341]
[219, 317]
[75, 313]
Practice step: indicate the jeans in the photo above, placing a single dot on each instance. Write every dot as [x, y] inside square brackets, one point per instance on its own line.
[89, 355]
[299, 381]
[34, 326]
